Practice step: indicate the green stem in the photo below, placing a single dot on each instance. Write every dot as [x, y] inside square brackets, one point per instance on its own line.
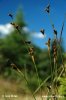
[41, 84]
[51, 69]
[37, 75]
[61, 55]
[25, 80]
[32, 59]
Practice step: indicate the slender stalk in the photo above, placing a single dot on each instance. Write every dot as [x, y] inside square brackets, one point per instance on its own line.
[61, 56]
[57, 43]
[56, 70]
[44, 82]
[60, 73]
[41, 84]
[37, 74]
[32, 59]
[35, 68]
[25, 80]
[51, 68]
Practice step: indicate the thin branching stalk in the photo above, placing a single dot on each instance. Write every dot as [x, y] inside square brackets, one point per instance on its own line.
[37, 74]
[36, 69]
[55, 62]
[44, 82]
[32, 56]
[60, 41]
[21, 73]
[33, 59]
[41, 84]
[61, 73]
[51, 68]
[61, 56]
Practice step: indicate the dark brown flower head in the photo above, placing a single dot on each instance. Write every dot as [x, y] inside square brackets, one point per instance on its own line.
[42, 31]
[10, 15]
[15, 25]
[55, 32]
[47, 9]
[28, 42]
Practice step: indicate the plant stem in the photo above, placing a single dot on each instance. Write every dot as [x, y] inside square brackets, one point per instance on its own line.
[51, 68]
[25, 80]
[36, 73]
[32, 60]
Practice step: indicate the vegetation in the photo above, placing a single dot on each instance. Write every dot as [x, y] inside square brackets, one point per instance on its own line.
[23, 62]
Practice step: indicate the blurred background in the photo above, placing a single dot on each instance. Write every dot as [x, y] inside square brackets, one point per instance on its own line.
[31, 18]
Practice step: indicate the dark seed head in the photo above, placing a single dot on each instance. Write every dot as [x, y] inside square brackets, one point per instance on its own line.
[10, 15]
[28, 42]
[55, 32]
[42, 31]
[12, 23]
[47, 9]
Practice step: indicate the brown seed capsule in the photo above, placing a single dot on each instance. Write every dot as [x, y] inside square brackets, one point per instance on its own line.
[15, 25]
[28, 42]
